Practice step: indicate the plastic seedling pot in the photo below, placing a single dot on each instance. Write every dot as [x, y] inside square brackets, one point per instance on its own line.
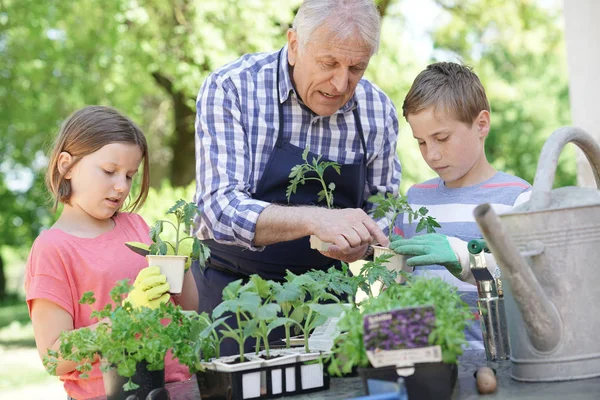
[173, 267]
[424, 381]
[318, 244]
[396, 263]
[148, 381]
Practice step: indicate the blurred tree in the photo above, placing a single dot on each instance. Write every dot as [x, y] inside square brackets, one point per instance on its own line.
[148, 58]
[517, 49]
[21, 219]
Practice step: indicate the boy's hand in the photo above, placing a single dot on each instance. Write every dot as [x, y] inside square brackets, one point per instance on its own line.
[150, 289]
[429, 249]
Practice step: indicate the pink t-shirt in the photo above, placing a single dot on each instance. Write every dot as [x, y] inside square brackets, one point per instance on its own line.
[61, 267]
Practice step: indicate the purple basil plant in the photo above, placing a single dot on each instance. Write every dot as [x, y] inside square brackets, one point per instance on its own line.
[405, 328]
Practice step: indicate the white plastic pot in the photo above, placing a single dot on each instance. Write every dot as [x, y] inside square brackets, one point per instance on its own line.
[173, 267]
[396, 263]
[318, 244]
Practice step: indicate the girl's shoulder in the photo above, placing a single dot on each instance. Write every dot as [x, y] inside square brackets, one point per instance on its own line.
[51, 239]
[128, 223]
[129, 218]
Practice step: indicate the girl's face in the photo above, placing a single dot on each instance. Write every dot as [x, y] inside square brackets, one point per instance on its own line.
[101, 181]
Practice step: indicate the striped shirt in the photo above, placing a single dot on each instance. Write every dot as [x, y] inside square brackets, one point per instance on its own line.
[453, 210]
[237, 123]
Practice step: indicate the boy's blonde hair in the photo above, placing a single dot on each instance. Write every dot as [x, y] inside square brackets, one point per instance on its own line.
[86, 131]
[452, 86]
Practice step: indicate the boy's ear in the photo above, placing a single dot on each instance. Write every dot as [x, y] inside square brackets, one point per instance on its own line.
[65, 160]
[482, 122]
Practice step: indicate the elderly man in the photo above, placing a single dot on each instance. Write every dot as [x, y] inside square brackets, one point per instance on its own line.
[255, 118]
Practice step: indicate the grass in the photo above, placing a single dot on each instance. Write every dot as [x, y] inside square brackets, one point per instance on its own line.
[15, 325]
[22, 366]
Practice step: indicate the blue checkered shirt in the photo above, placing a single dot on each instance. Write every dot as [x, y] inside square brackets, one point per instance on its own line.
[237, 123]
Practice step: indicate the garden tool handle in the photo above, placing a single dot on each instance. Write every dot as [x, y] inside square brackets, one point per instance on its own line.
[546, 169]
[476, 246]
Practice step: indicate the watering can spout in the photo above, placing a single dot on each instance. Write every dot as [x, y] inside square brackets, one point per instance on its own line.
[542, 320]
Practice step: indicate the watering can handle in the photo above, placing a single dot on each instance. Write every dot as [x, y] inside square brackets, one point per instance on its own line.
[544, 176]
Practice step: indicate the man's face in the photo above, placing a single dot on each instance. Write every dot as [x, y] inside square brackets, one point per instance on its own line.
[453, 149]
[326, 73]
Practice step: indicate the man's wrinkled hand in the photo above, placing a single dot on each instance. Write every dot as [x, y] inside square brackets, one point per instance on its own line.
[348, 229]
[334, 252]
[428, 249]
[150, 289]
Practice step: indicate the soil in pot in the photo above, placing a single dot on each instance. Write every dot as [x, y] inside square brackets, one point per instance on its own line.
[148, 381]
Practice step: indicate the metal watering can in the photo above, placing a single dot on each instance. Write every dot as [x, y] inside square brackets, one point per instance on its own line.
[548, 250]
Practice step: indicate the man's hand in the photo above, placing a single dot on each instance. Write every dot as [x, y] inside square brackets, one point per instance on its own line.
[334, 252]
[429, 249]
[349, 230]
[150, 289]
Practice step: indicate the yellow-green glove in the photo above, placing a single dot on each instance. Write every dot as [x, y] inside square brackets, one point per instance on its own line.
[428, 249]
[150, 289]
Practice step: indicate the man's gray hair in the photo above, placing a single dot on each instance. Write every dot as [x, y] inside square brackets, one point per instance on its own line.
[343, 18]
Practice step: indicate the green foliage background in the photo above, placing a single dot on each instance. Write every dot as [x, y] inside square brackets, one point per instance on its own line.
[148, 58]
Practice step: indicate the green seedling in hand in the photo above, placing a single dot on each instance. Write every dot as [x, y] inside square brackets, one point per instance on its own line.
[302, 172]
[394, 206]
[184, 244]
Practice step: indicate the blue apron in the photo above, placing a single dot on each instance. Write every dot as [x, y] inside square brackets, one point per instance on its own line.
[228, 263]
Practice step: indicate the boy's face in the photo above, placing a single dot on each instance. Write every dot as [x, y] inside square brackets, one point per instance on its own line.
[453, 149]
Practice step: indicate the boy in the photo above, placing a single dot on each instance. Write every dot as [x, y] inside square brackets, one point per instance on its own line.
[449, 115]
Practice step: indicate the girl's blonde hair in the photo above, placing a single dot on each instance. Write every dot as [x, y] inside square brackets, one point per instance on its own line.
[86, 131]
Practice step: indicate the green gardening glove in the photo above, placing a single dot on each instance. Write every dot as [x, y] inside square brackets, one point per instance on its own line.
[428, 249]
[150, 289]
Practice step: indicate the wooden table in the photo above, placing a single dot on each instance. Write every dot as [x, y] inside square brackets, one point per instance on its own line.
[345, 388]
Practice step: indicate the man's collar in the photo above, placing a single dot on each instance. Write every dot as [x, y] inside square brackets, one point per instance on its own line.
[286, 86]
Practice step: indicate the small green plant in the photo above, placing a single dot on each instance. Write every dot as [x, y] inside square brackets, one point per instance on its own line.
[375, 271]
[311, 312]
[242, 304]
[184, 243]
[290, 297]
[451, 317]
[266, 317]
[202, 343]
[125, 337]
[388, 204]
[305, 172]
[341, 282]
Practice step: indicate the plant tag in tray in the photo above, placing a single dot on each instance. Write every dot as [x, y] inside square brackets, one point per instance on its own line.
[323, 336]
[400, 337]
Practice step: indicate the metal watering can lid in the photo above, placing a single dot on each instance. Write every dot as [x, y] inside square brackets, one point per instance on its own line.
[543, 197]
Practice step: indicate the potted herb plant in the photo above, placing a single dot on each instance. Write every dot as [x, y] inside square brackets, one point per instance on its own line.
[314, 171]
[442, 316]
[393, 206]
[131, 343]
[175, 254]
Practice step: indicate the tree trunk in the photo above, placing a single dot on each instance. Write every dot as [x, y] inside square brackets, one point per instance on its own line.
[2, 280]
[183, 164]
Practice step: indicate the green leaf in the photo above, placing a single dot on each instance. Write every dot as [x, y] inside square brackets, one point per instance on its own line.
[156, 230]
[178, 206]
[267, 312]
[232, 290]
[328, 310]
[225, 306]
[298, 314]
[305, 154]
[279, 322]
